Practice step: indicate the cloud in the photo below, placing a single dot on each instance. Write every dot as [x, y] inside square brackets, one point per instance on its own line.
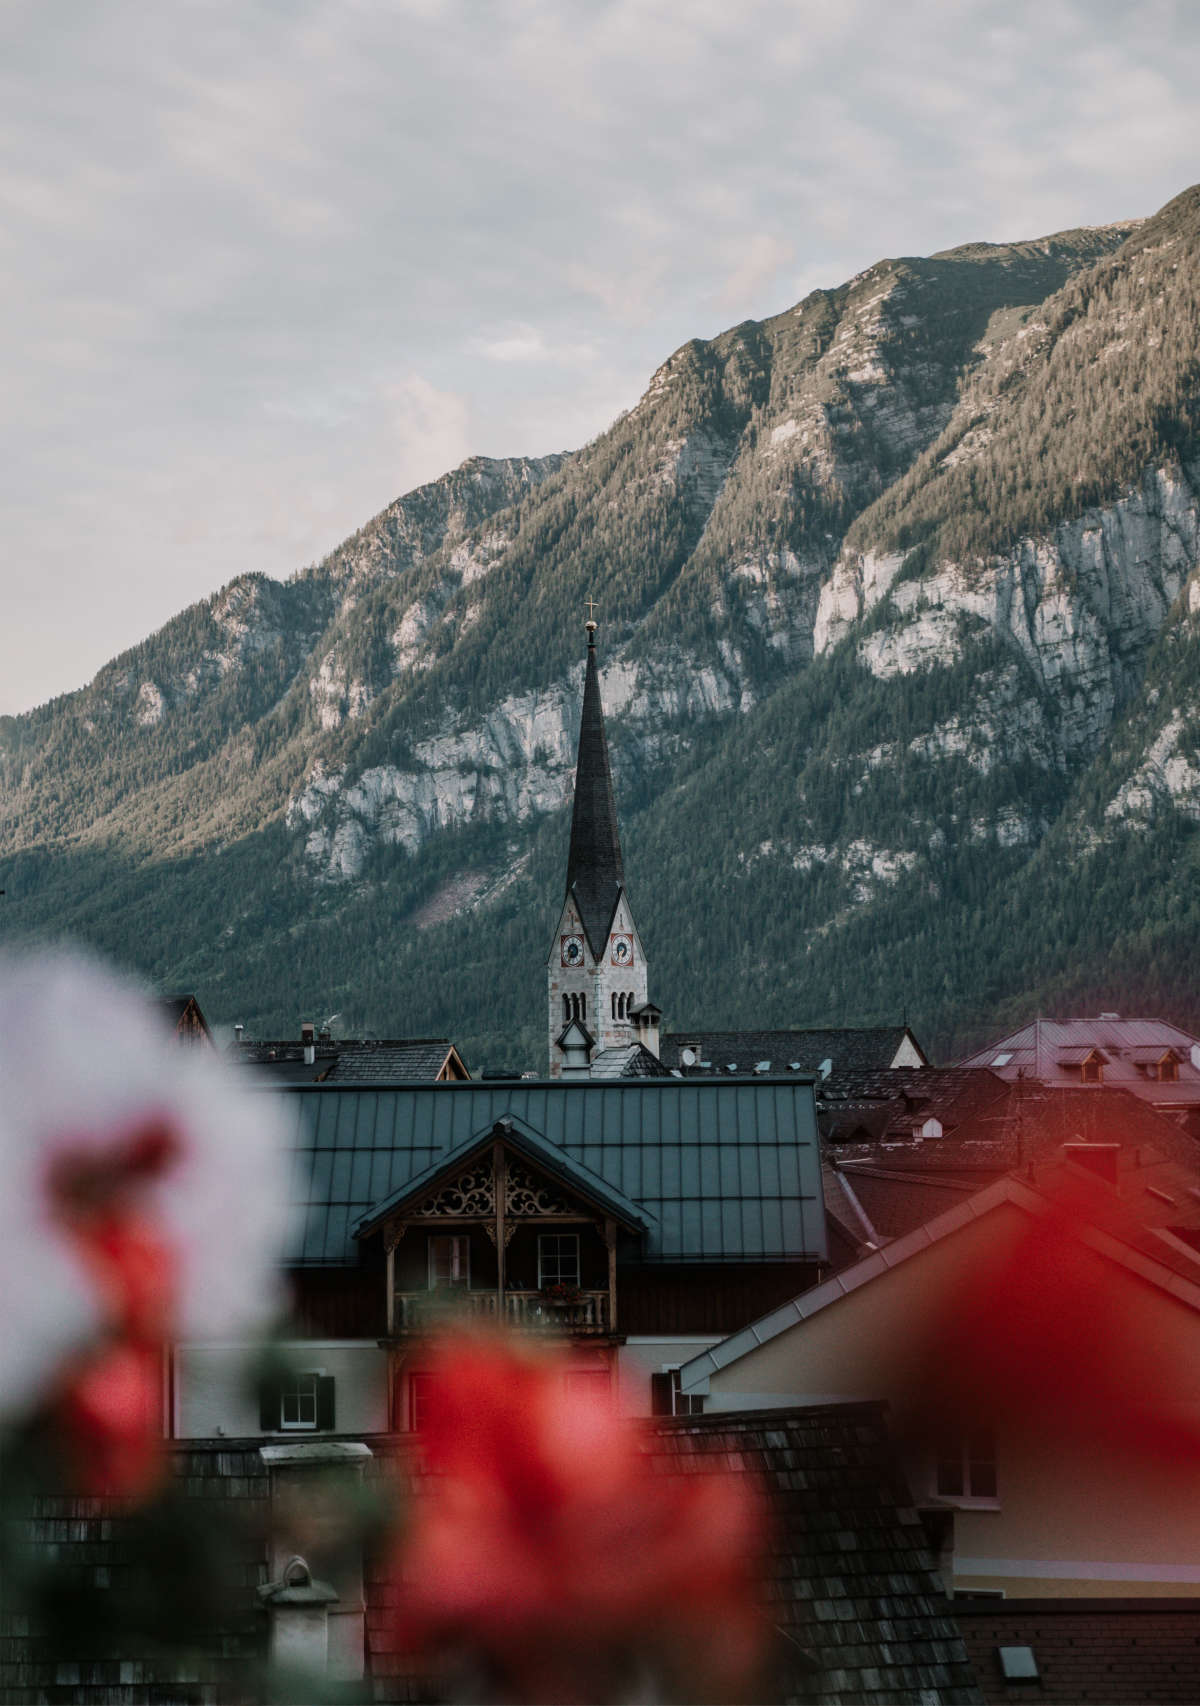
[526, 344]
[263, 264]
[761, 260]
[428, 429]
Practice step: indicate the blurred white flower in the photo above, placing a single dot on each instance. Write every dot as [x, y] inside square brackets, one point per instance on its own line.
[87, 1068]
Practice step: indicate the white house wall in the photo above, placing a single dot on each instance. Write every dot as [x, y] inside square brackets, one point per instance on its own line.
[213, 1395]
[639, 1358]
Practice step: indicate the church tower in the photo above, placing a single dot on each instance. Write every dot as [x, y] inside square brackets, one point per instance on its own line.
[596, 970]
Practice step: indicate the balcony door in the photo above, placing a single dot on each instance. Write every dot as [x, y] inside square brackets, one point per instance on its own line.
[449, 1262]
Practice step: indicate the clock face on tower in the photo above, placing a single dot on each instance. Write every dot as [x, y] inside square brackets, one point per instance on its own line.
[572, 950]
[622, 950]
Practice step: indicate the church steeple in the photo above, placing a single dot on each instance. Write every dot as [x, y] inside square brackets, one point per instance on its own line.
[596, 969]
[595, 874]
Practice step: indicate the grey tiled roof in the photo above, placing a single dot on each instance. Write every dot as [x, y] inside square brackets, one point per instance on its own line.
[864, 1050]
[857, 1614]
[892, 1102]
[1047, 1048]
[851, 1581]
[389, 1062]
[392, 1061]
[632, 1061]
[107, 1553]
[902, 1183]
[723, 1172]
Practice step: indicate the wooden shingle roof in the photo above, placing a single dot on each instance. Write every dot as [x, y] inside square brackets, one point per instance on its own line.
[851, 1586]
[742, 1053]
[855, 1612]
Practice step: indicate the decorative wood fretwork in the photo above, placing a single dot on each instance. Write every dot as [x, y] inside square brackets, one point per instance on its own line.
[509, 1229]
[530, 1197]
[472, 1194]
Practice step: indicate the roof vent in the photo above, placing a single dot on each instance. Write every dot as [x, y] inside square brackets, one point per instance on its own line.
[763, 1066]
[732, 1066]
[794, 1066]
[1110, 1015]
[825, 1068]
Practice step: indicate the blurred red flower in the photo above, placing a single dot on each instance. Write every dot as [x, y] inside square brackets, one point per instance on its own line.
[547, 1556]
[109, 1406]
[1047, 1337]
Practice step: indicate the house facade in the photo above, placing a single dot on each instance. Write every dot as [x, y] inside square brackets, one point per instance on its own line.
[629, 1222]
[1050, 1425]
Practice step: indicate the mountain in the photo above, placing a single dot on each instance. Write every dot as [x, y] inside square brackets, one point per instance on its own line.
[900, 653]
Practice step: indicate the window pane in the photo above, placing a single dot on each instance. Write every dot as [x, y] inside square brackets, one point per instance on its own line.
[449, 1263]
[982, 1466]
[684, 1403]
[950, 1469]
[983, 1480]
[558, 1258]
[298, 1402]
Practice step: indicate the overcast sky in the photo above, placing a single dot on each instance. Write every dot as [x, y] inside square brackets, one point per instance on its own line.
[265, 266]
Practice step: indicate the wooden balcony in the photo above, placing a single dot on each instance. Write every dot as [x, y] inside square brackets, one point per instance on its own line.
[426, 1311]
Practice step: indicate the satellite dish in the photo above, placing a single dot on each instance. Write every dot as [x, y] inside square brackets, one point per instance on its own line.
[688, 1056]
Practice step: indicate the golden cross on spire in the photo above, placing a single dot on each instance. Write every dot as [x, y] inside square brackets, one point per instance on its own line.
[591, 609]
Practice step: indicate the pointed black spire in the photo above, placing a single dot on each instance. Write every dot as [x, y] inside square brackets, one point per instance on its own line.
[595, 875]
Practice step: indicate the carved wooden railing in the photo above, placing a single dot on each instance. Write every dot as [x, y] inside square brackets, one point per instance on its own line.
[419, 1311]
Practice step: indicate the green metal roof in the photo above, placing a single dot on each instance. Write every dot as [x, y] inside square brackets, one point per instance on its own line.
[525, 1141]
[722, 1172]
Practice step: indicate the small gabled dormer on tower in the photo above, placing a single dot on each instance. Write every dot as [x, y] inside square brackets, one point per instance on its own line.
[596, 970]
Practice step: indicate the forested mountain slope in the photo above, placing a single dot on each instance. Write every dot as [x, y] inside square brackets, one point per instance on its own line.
[899, 658]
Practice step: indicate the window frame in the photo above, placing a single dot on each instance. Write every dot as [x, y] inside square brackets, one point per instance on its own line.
[462, 1247]
[1091, 1068]
[667, 1397]
[974, 1450]
[291, 1386]
[279, 1387]
[558, 1278]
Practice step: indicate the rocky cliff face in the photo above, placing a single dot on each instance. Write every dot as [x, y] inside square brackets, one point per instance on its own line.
[898, 592]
